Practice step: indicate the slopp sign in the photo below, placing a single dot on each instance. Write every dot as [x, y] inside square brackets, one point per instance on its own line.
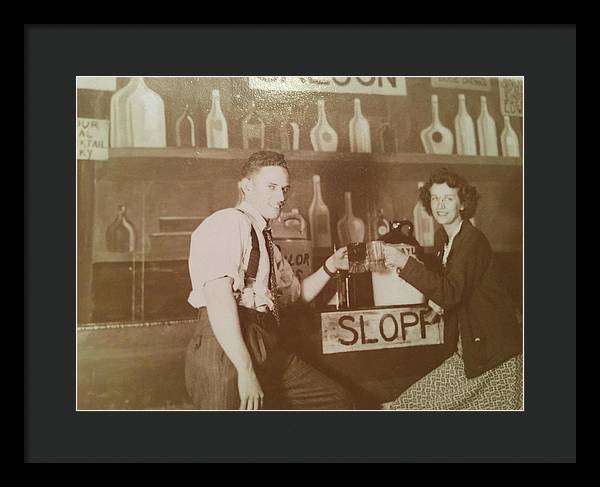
[374, 329]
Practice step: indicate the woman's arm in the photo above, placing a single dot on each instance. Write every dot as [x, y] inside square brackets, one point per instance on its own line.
[469, 261]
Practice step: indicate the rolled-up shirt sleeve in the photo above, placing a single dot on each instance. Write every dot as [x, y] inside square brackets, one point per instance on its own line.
[216, 251]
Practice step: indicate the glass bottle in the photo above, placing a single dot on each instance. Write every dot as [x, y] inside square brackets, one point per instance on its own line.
[381, 225]
[120, 126]
[465, 130]
[318, 217]
[322, 136]
[387, 138]
[146, 113]
[436, 138]
[216, 125]
[253, 130]
[185, 131]
[509, 140]
[120, 234]
[423, 221]
[486, 131]
[350, 228]
[360, 132]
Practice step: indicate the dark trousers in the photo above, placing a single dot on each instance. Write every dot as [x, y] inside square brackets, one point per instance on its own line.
[287, 381]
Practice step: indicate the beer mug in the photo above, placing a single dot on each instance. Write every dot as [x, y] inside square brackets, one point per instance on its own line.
[375, 259]
[357, 255]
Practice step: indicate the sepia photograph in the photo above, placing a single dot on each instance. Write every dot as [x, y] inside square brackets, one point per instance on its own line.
[288, 243]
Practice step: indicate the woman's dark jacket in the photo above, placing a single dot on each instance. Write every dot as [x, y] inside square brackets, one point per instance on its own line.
[470, 293]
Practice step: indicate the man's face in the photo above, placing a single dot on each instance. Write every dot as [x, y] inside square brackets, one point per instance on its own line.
[266, 190]
[445, 203]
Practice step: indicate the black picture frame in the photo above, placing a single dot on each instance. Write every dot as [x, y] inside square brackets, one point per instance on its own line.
[55, 432]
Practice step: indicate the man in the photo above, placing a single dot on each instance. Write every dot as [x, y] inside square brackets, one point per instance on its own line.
[240, 281]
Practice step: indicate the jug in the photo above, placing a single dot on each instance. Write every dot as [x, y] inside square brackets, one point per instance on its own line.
[388, 288]
[290, 234]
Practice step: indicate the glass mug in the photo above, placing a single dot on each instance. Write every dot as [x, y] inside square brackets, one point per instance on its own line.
[375, 256]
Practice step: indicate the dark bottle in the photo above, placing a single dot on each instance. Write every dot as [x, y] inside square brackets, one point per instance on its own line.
[120, 234]
[253, 130]
[185, 130]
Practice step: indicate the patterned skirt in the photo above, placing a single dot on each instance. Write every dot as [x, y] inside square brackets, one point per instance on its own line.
[447, 388]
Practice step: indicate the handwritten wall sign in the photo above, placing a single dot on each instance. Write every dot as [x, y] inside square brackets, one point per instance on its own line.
[511, 96]
[92, 139]
[377, 328]
[463, 83]
[371, 85]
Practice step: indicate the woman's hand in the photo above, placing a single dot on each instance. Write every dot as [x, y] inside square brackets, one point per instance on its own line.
[394, 257]
[338, 261]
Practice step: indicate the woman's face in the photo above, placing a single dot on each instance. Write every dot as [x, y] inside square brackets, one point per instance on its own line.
[445, 204]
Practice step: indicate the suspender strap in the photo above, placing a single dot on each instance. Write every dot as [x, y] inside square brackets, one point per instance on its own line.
[254, 253]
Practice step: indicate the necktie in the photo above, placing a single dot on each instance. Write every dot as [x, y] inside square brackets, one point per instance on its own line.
[272, 277]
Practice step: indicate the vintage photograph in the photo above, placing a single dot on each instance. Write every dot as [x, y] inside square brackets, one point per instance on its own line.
[343, 243]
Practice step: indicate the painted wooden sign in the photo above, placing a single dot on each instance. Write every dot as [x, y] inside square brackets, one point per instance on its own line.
[379, 328]
[92, 139]
[463, 83]
[511, 96]
[371, 85]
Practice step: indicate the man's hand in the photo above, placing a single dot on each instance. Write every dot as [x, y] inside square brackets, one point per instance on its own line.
[338, 260]
[251, 394]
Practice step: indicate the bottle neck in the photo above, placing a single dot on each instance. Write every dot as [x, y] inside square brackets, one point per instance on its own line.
[216, 104]
[435, 114]
[462, 106]
[321, 110]
[357, 110]
[507, 123]
[317, 191]
[138, 81]
[484, 109]
[348, 203]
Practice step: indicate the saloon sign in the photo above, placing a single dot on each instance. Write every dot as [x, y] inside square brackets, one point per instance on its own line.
[373, 329]
[366, 85]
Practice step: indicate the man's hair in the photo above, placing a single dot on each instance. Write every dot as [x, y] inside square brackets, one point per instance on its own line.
[262, 159]
[467, 193]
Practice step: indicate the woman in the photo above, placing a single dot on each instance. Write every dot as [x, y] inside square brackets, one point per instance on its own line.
[485, 370]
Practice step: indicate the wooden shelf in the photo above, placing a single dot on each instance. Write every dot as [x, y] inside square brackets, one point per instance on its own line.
[175, 163]
[310, 156]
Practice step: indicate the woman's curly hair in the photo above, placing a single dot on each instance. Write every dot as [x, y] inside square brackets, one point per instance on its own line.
[467, 193]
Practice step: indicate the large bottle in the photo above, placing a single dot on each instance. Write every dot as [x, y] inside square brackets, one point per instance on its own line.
[509, 140]
[350, 228]
[423, 221]
[318, 217]
[147, 117]
[216, 125]
[360, 132]
[120, 123]
[486, 131]
[253, 130]
[322, 136]
[185, 130]
[436, 138]
[465, 130]
[120, 234]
